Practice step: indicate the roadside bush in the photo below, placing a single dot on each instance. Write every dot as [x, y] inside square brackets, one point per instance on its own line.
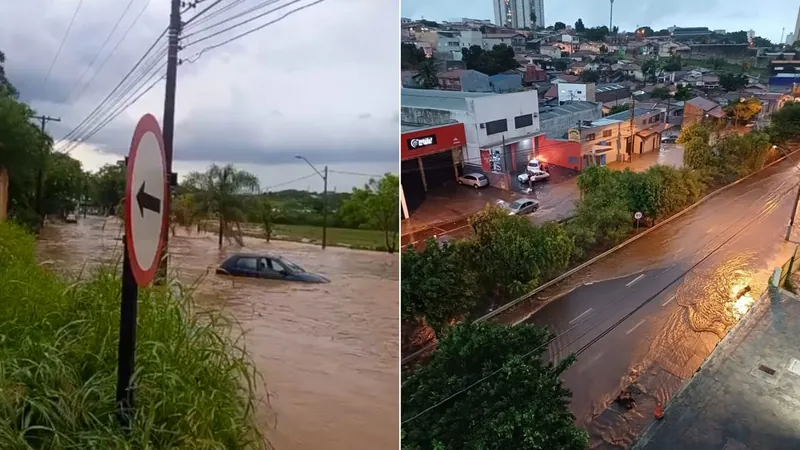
[725, 159]
[58, 347]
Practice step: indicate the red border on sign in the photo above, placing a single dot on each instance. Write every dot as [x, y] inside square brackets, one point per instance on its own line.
[144, 276]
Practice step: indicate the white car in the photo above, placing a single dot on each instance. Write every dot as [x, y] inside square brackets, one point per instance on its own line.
[536, 175]
[534, 165]
[476, 180]
[520, 206]
[71, 218]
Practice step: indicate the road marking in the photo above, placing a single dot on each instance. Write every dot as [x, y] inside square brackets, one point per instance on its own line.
[580, 315]
[635, 327]
[591, 361]
[635, 280]
[669, 300]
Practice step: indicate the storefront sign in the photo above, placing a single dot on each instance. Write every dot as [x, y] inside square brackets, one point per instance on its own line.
[422, 141]
[574, 135]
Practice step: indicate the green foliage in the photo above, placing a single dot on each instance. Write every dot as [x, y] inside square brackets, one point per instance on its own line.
[603, 49]
[437, 285]
[737, 37]
[785, 123]
[744, 111]
[491, 62]
[378, 203]
[411, 56]
[589, 76]
[644, 31]
[728, 159]
[267, 216]
[522, 406]
[683, 93]
[561, 64]
[559, 26]
[672, 64]
[194, 384]
[108, 186]
[596, 33]
[427, 76]
[650, 67]
[759, 41]
[64, 186]
[697, 153]
[717, 62]
[619, 108]
[579, 26]
[661, 92]
[732, 81]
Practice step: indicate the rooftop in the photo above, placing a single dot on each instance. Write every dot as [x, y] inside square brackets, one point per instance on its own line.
[746, 395]
[608, 87]
[565, 109]
[624, 115]
[434, 99]
[703, 103]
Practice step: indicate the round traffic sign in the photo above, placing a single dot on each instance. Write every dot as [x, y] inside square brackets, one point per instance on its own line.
[146, 196]
[637, 216]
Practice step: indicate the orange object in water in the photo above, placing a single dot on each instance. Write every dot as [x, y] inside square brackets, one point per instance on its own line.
[658, 413]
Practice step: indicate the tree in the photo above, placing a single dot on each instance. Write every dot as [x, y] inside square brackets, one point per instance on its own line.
[108, 186]
[267, 218]
[560, 64]
[596, 33]
[427, 76]
[559, 26]
[379, 201]
[697, 153]
[603, 49]
[219, 192]
[579, 26]
[732, 82]
[683, 93]
[64, 184]
[744, 111]
[672, 64]
[491, 62]
[661, 92]
[183, 212]
[436, 285]
[589, 76]
[758, 41]
[523, 406]
[785, 123]
[618, 108]
[644, 31]
[717, 63]
[411, 56]
[737, 37]
[650, 67]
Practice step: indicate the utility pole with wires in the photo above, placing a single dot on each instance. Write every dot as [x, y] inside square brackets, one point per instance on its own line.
[633, 114]
[168, 125]
[42, 162]
[324, 176]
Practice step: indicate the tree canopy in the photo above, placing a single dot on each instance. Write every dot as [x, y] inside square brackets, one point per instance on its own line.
[579, 26]
[522, 406]
[559, 26]
[378, 204]
[491, 62]
[732, 81]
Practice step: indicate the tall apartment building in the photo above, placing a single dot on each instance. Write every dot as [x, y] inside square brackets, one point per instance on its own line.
[797, 25]
[517, 13]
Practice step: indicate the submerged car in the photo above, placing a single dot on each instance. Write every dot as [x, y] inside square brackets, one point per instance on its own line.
[71, 218]
[267, 266]
[520, 206]
[536, 175]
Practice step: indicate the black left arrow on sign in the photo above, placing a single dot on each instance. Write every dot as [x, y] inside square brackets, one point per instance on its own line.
[147, 201]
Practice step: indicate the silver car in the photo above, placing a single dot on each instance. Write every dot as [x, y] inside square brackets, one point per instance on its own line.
[476, 180]
[536, 175]
[521, 206]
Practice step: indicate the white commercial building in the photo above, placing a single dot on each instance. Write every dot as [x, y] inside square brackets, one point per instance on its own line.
[500, 128]
[576, 92]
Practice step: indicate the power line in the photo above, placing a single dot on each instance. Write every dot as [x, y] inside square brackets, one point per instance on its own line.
[215, 13]
[284, 16]
[606, 331]
[358, 174]
[201, 12]
[113, 50]
[63, 40]
[243, 13]
[100, 50]
[289, 182]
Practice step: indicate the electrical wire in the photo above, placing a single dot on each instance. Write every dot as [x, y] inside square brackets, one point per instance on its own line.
[214, 13]
[289, 182]
[63, 40]
[243, 13]
[99, 51]
[358, 174]
[117, 88]
[201, 12]
[229, 40]
[607, 330]
[113, 50]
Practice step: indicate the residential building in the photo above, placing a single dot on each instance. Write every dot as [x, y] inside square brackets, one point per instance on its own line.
[576, 92]
[515, 40]
[609, 92]
[781, 67]
[553, 51]
[506, 82]
[556, 121]
[619, 137]
[512, 13]
[691, 33]
[797, 24]
[466, 80]
[667, 49]
[500, 128]
[446, 44]
[701, 109]
[534, 74]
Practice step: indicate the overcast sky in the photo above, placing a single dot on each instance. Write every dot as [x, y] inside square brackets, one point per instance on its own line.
[322, 83]
[765, 17]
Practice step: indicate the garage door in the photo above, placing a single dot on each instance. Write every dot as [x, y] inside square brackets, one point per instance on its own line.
[411, 179]
[439, 169]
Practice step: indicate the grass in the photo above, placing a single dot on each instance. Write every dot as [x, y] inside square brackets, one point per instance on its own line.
[194, 384]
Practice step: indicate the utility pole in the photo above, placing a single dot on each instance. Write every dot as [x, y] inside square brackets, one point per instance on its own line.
[633, 113]
[324, 176]
[40, 173]
[168, 124]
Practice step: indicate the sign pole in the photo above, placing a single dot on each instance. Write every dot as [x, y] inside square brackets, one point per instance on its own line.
[127, 339]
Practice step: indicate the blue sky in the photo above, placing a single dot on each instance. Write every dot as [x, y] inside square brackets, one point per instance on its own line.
[765, 17]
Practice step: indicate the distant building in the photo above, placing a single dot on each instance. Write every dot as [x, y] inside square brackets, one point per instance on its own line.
[464, 80]
[700, 109]
[693, 33]
[789, 39]
[797, 24]
[512, 13]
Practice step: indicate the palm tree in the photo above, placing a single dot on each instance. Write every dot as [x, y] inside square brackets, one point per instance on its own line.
[426, 76]
[219, 192]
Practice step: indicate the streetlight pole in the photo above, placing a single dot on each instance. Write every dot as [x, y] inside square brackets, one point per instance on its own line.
[324, 177]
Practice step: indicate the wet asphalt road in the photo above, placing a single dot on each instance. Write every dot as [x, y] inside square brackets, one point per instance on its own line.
[666, 300]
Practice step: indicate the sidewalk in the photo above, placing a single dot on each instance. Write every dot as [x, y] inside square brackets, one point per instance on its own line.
[747, 394]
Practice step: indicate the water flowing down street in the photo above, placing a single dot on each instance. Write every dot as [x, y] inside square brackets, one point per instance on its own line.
[328, 352]
[655, 309]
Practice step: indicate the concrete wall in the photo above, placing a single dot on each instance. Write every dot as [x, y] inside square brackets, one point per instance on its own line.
[506, 82]
[474, 81]
[557, 127]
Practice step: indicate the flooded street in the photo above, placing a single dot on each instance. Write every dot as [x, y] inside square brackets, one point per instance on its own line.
[328, 352]
[652, 312]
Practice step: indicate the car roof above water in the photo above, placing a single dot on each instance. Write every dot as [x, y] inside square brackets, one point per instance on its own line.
[253, 255]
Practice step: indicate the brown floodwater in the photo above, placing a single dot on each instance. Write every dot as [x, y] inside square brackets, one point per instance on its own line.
[329, 352]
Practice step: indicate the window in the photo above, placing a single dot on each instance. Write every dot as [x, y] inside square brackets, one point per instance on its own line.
[246, 263]
[607, 133]
[523, 121]
[496, 126]
[590, 137]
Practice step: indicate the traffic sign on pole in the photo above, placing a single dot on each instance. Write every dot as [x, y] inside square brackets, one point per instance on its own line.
[638, 215]
[146, 197]
[145, 225]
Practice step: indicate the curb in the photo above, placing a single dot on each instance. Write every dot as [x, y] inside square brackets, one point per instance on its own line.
[586, 264]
